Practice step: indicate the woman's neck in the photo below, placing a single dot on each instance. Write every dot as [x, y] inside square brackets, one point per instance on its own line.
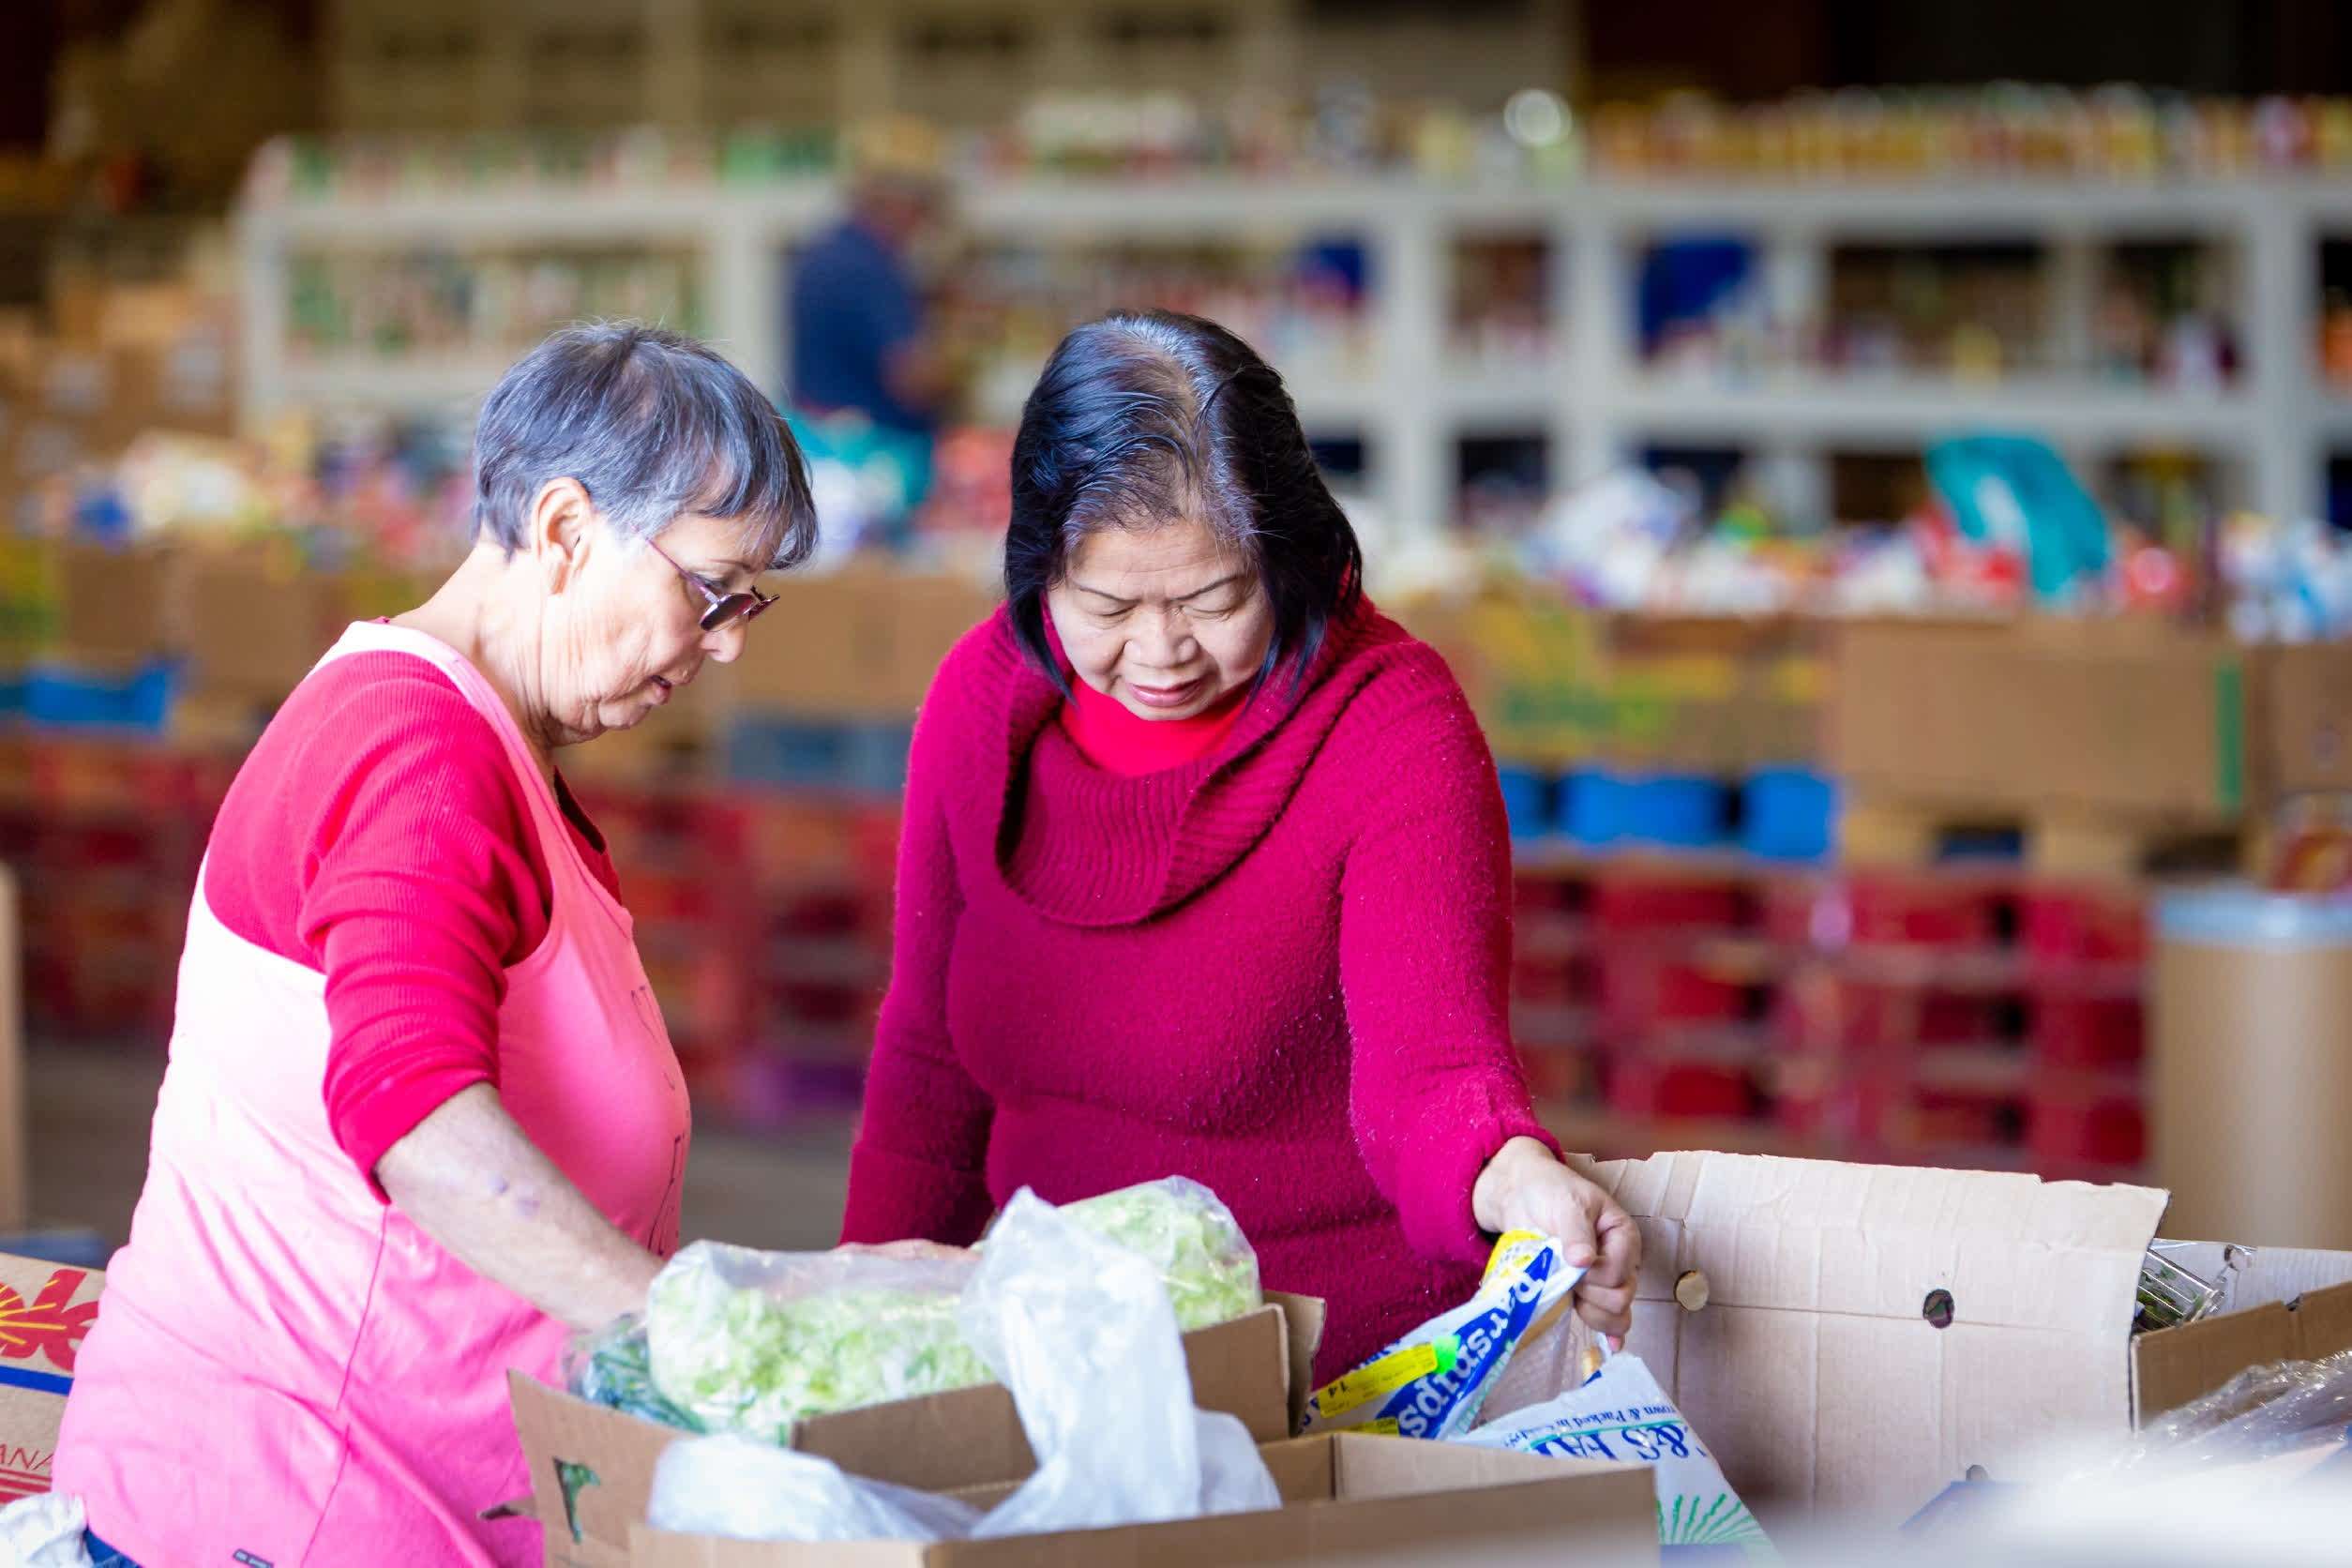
[488, 613]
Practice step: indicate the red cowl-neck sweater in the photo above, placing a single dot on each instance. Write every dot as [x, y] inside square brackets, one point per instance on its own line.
[1280, 969]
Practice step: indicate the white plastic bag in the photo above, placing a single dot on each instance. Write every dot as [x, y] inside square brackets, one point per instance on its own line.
[44, 1531]
[748, 1490]
[1624, 1414]
[1081, 1330]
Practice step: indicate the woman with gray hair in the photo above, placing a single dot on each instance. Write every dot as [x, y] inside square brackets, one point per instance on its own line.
[421, 1116]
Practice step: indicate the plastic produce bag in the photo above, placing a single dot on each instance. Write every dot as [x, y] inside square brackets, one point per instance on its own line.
[748, 1490]
[737, 1340]
[44, 1531]
[613, 1367]
[1433, 1383]
[1186, 1231]
[1081, 1332]
[1623, 1414]
[2261, 1413]
[756, 1342]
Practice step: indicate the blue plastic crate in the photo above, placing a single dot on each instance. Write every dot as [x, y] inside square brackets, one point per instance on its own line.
[15, 692]
[1675, 810]
[814, 754]
[1527, 798]
[69, 1248]
[68, 697]
[1788, 814]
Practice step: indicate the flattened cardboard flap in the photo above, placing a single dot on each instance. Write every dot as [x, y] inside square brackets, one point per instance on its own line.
[1816, 1369]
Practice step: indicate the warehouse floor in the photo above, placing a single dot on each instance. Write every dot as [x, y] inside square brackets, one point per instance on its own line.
[88, 1120]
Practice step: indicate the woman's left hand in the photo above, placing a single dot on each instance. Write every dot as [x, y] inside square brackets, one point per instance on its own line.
[1524, 1187]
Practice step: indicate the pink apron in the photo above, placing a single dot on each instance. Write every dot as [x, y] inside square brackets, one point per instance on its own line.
[285, 1370]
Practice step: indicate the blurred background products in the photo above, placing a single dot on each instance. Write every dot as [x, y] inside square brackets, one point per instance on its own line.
[1884, 480]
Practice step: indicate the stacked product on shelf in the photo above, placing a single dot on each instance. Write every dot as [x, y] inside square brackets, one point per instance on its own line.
[1988, 1018]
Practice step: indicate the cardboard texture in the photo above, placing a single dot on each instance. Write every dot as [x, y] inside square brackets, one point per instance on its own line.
[858, 644]
[1555, 685]
[1346, 1498]
[2178, 1366]
[1259, 1369]
[2126, 716]
[45, 1312]
[112, 603]
[1813, 1370]
[2252, 1091]
[249, 632]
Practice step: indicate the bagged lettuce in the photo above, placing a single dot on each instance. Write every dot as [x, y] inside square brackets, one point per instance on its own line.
[1184, 1230]
[737, 1340]
[1621, 1413]
[1433, 1383]
[755, 1342]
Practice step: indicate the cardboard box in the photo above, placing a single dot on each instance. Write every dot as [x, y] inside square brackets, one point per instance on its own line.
[1557, 686]
[2121, 716]
[1348, 1498]
[45, 1311]
[250, 627]
[114, 605]
[1259, 1369]
[1807, 1350]
[856, 644]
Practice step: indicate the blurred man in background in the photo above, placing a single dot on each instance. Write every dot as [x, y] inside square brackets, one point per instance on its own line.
[870, 377]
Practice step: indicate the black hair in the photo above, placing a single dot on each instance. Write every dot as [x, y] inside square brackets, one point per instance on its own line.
[1146, 416]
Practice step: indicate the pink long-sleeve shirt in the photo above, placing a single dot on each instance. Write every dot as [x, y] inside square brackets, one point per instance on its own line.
[1280, 969]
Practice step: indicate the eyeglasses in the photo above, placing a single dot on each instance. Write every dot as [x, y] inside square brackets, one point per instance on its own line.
[725, 609]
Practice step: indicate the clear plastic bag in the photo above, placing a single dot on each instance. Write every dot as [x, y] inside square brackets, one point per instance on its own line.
[755, 1342]
[2262, 1412]
[613, 1367]
[738, 1340]
[1186, 1231]
[1081, 1332]
[748, 1490]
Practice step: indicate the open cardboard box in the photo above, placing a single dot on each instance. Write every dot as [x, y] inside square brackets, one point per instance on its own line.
[1258, 1367]
[1849, 1339]
[1346, 1499]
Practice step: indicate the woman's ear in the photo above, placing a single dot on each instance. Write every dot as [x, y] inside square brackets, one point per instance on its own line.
[561, 522]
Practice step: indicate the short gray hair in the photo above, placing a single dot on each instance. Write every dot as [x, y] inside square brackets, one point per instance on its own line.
[653, 425]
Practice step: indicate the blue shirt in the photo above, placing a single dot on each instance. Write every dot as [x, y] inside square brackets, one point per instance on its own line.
[852, 303]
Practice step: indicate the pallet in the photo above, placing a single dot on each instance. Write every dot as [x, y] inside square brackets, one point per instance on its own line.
[1875, 830]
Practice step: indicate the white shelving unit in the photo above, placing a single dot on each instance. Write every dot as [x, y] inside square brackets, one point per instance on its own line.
[1590, 397]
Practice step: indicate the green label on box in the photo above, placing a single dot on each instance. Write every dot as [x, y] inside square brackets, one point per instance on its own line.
[2229, 734]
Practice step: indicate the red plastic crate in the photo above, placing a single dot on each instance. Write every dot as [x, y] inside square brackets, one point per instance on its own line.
[2071, 1127]
[2078, 1032]
[2060, 928]
[1629, 902]
[1941, 912]
[1680, 1089]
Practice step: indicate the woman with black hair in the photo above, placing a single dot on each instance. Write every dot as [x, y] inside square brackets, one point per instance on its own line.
[1205, 873]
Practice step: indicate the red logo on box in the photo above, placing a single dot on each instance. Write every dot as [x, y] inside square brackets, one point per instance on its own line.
[51, 1326]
